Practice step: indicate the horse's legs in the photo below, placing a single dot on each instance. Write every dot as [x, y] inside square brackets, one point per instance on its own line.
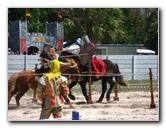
[71, 85]
[104, 88]
[112, 84]
[13, 93]
[19, 95]
[83, 88]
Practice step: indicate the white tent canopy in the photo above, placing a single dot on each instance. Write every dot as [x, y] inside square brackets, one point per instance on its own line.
[74, 48]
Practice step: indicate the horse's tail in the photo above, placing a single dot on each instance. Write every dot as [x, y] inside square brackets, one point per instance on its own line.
[119, 78]
[11, 84]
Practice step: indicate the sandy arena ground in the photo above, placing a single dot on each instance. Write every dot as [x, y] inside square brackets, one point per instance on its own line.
[133, 106]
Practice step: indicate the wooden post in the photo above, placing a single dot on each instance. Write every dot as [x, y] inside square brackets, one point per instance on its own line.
[116, 98]
[90, 82]
[34, 92]
[152, 105]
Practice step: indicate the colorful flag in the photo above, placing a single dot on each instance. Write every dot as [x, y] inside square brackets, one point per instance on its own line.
[28, 14]
[59, 15]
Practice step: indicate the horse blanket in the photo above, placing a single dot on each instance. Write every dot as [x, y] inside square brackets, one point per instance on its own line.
[98, 66]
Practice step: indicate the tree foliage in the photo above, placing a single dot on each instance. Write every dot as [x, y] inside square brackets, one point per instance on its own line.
[102, 25]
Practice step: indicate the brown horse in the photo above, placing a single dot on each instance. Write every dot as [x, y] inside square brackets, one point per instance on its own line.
[19, 83]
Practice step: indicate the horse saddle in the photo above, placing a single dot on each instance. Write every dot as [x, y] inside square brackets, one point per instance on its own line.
[98, 66]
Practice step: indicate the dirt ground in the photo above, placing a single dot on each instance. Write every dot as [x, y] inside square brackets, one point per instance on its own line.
[133, 106]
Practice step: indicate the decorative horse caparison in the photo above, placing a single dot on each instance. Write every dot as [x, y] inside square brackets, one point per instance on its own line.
[111, 68]
[19, 83]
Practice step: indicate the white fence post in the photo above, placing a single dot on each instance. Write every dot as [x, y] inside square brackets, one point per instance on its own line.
[26, 62]
[133, 67]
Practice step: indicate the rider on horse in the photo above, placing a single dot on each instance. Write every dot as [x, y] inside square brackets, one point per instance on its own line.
[47, 55]
[97, 65]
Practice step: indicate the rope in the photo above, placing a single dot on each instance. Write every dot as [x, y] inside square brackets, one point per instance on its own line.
[86, 74]
[68, 50]
[74, 55]
[64, 74]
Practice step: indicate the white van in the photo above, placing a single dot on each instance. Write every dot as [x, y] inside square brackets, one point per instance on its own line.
[145, 52]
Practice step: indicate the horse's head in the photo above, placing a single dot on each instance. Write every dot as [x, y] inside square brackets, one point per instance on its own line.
[88, 49]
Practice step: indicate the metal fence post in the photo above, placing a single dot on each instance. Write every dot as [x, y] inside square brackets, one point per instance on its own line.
[152, 104]
[26, 62]
[34, 92]
[133, 67]
[90, 89]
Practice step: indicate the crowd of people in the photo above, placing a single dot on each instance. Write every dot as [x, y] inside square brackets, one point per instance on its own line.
[24, 53]
[13, 53]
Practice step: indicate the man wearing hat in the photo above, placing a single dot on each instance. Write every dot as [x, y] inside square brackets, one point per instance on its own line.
[50, 90]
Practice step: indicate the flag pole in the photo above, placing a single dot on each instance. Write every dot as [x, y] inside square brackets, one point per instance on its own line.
[26, 34]
[37, 28]
[46, 27]
[25, 14]
[57, 18]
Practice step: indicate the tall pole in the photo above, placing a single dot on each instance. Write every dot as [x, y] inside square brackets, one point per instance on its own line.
[38, 26]
[46, 27]
[20, 36]
[90, 87]
[34, 92]
[25, 14]
[56, 34]
[26, 39]
[57, 45]
[26, 50]
[152, 105]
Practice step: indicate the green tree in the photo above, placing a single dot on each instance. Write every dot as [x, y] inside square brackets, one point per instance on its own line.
[99, 24]
[152, 29]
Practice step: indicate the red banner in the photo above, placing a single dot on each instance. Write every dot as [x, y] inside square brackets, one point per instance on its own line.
[23, 45]
[60, 45]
